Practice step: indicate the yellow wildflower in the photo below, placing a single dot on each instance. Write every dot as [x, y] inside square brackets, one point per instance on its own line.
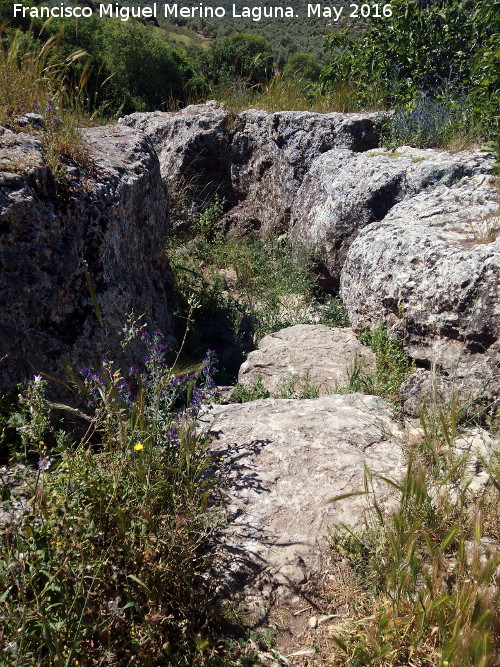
[138, 447]
[116, 375]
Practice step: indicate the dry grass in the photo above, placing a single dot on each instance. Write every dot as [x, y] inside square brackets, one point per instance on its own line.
[423, 587]
[295, 94]
[38, 80]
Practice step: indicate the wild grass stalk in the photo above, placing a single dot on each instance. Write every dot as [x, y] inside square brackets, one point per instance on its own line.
[36, 78]
[428, 578]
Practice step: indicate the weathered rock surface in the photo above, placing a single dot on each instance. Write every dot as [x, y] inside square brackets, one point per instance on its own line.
[109, 225]
[255, 159]
[325, 354]
[271, 154]
[284, 459]
[192, 146]
[473, 387]
[476, 446]
[343, 192]
[431, 271]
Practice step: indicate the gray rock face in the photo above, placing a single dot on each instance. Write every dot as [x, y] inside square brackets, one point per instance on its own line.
[271, 153]
[109, 225]
[284, 459]
[325, 354]
[343, 192]
[255, 159]
[431, 270]
[192, 146]
[473, 387]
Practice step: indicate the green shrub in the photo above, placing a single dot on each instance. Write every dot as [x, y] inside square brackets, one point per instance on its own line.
[208, 223]
[442, 49]
[290, 386]
[240, 57]
[245, 394]
[106, 564]
[393, 365]
[297, 387]
[302, 66]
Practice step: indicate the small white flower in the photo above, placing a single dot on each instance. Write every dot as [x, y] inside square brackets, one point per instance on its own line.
[38, 379]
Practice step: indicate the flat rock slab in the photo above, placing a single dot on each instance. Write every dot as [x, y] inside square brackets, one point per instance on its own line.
[326, 355]
[283, 460]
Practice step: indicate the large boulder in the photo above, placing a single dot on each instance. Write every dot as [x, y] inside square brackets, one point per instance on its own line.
[272, 152]
[324, 355]
[192, 147]
[343, 192]
[431, 271]
[283, 460]
[256, 160]
[100, 231]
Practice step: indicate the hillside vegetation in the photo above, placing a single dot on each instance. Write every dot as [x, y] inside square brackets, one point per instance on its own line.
[112, 504]
[436, 63]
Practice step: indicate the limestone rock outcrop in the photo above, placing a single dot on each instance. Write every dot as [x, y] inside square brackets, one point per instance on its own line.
[192, 146]
[282, 461]
[343, 192]
[431, 271]
[326, 355]
[271, 154]
[256, 160]
[105, 227]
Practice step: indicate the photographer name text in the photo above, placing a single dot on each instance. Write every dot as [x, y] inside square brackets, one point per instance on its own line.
[256, 13]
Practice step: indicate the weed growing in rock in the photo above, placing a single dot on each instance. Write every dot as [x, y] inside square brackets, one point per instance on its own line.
[252, 392]
[297, 386]
[393, 365]
[291, 386]
[208, 223]
[107, 562]
[427, 576]
[246, 289]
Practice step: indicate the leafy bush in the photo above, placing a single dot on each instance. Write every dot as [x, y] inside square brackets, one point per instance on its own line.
[245, 394]
[392, 365]
[426, 46]
[106, 562]
[302, 65]
[128, 66]
[144, 72]
[429, 122]
[239, 57]
[297, 386]
[208, 223]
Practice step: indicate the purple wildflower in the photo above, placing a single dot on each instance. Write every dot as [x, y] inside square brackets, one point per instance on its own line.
[44, 464]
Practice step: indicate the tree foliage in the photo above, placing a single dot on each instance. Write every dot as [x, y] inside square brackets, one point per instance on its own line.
[240, 56]
[425, 46]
